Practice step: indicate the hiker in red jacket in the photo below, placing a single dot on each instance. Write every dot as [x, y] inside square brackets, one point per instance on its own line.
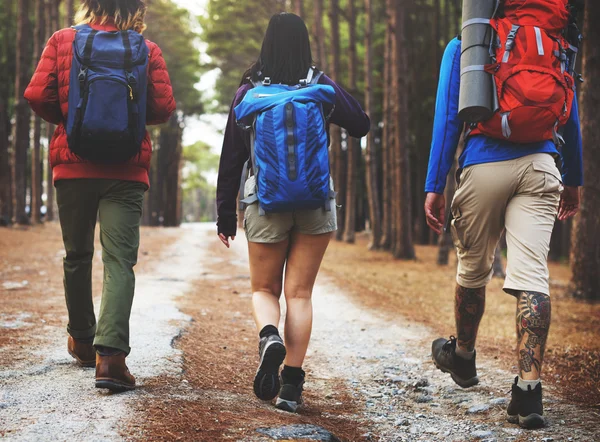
[112, 190]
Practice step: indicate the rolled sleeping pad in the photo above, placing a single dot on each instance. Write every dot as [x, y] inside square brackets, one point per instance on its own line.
[477, 102]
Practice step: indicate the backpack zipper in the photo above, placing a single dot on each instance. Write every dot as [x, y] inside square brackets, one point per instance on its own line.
[268, 95]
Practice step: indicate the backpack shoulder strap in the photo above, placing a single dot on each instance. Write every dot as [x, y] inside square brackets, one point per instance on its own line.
[316, 75]
[312, 77]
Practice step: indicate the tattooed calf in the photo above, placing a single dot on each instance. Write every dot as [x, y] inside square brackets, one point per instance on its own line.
[469, 308]
[533, 320]
[527, 361]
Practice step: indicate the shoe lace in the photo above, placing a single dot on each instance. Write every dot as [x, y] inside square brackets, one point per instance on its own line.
[450, 345]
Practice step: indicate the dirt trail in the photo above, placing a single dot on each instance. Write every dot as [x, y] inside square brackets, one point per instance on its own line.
[55, 400]
[387, 365]
[366, 371]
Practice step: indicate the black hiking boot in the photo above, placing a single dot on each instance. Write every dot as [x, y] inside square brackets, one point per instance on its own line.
[525, 407]
[290, 397]
[272, 353]
[463, 371]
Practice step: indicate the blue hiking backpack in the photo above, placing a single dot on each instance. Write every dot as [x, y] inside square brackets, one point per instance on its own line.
[106, 122]
[289, 144]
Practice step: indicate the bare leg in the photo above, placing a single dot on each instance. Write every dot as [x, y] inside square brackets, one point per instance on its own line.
[266, 274]
[304, 259]
[468, 309]
[533, 323]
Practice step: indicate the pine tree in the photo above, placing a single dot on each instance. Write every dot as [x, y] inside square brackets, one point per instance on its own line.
[37, 170]
[586, 240]
[22, 112]
[353, 147]
[338, 157]
[6, 56]
[403, 247]
[371, 154]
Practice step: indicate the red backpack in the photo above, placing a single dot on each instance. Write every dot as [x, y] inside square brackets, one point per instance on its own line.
[535, 91]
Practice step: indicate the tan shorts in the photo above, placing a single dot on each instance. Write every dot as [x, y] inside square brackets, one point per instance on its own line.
[521, 196]
[277, 227]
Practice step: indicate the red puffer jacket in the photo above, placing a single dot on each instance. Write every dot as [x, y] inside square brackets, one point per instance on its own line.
[48, 96]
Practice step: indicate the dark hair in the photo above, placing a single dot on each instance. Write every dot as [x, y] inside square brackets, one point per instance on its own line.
[285, 56]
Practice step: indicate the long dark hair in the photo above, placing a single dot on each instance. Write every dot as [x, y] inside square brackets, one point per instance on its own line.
[285, 56]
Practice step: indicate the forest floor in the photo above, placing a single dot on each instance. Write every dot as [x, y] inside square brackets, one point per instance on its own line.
[369, 373]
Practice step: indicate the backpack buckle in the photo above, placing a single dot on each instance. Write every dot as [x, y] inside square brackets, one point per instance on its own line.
[304, 83]
[82, 75]
[131, 78]
[267, 81]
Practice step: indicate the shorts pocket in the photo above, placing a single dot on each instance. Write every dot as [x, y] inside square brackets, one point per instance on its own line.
[458, 230]
[551, 181]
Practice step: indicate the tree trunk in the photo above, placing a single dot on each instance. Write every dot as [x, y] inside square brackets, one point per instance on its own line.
[403, 247]
[158, 186]
[6, 183]
[319, 36]
[172, 180]
[68, 13]
[37, 170]
[353, 148]
[498, 266]
[445, 239]
[54, 15]
[387, 136]
[337, 155]
[298, 8]
[5, 169]
[22, 112]
[586, 241]
[371, 155]
[339, 177]
[52, 19]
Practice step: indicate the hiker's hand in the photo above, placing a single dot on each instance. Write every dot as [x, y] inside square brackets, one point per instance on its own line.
[225, 239]
[569, 203]
[435, 211]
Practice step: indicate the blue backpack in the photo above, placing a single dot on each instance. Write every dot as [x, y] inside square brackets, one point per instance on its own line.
[289, 144]
[106, 121]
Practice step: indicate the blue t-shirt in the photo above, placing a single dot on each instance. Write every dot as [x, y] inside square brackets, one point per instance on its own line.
[447, 128]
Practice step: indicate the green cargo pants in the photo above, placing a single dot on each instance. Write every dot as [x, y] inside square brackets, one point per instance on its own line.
[117, 205]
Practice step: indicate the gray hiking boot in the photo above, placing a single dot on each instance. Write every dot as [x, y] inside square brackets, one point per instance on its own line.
[272, 353]
[290, 397]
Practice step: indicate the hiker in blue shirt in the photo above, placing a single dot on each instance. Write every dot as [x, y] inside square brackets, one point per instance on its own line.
[501, 186]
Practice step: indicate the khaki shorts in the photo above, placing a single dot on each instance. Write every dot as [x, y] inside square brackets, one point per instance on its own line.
[277, 227]
[521, 196]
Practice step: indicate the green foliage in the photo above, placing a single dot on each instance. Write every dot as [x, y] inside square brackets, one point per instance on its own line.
[234, 31]
[199, 161]
[198, 192]
[170, 27]
[8, 36]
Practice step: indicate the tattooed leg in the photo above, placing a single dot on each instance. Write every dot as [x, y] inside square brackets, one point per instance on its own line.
[468, 308]
[533, 324]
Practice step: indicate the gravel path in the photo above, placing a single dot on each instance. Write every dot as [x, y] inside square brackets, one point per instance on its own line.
[385, 365]
[388, 364]
[56, 400]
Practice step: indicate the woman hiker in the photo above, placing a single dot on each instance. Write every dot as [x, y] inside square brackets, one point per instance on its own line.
[293, 242]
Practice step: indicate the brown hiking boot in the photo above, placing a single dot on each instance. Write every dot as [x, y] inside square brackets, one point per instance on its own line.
[112, 373]
[83, 353]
